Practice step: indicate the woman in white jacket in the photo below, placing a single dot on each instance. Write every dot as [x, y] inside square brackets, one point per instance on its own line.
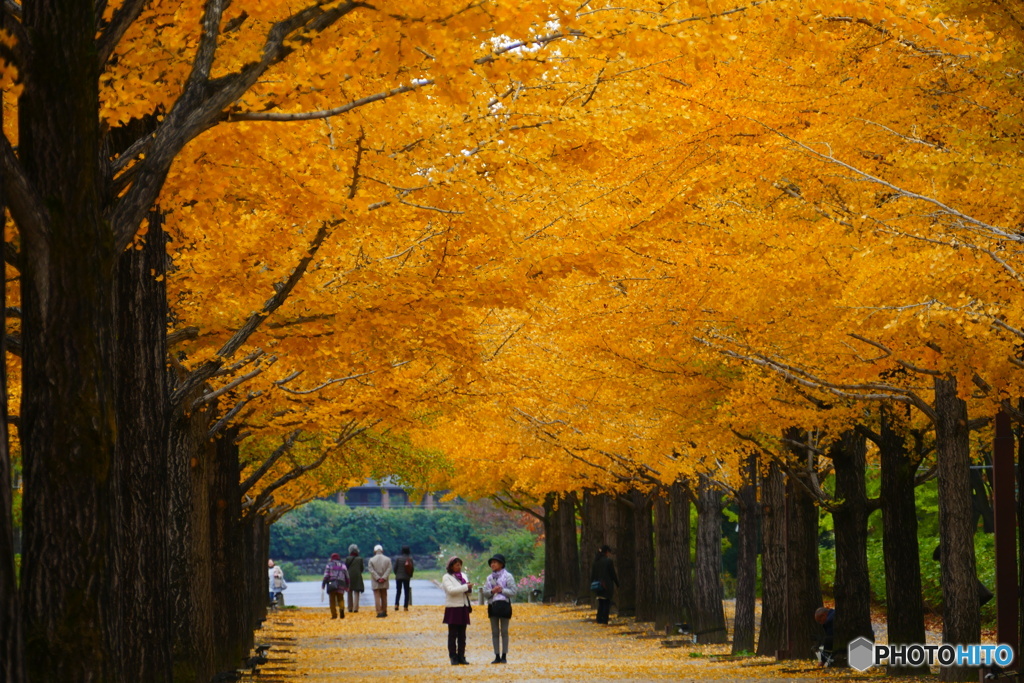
[457, 607]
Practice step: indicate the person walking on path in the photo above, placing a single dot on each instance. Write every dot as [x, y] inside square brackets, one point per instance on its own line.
[277, 587]
[499, 588]
[354, 563]
[270, 581]
[380, 571]
[404, 567]
[603, 581]
[336, 582]
[456, 609]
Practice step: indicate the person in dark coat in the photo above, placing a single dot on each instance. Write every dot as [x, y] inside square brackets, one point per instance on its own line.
[355, 577]
[604, 580]
[404, 568]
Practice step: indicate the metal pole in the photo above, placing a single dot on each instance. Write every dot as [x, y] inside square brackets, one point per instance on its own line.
[1004, 508]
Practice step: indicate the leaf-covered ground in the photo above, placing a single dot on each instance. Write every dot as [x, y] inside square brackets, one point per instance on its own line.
[548, 642]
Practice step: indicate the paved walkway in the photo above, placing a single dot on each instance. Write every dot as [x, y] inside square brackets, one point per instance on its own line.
[549, 642]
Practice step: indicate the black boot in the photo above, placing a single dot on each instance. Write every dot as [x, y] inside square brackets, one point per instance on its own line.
[503, 659]
[497, 659]
[455, 660]
[462, 659]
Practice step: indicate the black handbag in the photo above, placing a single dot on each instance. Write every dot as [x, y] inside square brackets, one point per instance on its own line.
[500, 609]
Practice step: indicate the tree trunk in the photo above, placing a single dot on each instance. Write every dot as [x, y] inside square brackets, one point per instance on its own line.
[672, 539]
[570, 547]
[625, 557]
[593, 534]
[139, 484]
[11, 647]
[231, 610]
[709, 610]
[68, 412]
[643, 531]
[803, 583]
[561, 554]
[746, 560]
[904, 604]
[773, 636]
[675, 582]
[961, 618]
[190, 462]
[850, 520]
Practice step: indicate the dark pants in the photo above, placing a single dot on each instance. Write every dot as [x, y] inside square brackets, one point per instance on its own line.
[398, 591]
[456, 640]
[604, 606]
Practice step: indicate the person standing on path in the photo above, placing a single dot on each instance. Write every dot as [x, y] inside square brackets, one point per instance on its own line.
[456, 609]
[603, 581]
[355, 577]
[380, 571]
[500, 586]
[270, 581]
[277, 587]
[404, 568]
[335, 581]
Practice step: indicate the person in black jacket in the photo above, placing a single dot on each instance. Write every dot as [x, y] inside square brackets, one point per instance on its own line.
[603, 580]
[826, 618]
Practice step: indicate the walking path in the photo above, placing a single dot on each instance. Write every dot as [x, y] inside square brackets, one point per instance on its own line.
[549, 642]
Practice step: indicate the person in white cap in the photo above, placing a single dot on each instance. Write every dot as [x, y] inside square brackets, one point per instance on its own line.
[380, 571]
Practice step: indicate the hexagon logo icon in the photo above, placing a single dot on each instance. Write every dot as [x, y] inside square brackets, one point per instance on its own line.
[861, 654]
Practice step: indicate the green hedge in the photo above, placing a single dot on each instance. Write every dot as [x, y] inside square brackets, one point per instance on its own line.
[321, 528]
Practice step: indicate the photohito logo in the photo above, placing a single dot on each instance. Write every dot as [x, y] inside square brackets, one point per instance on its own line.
[864, 654]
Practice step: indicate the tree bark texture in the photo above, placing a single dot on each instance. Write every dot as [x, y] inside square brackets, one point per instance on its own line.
[803, 581]
[232, 616]
[643, 531]
[746, 560]
[672, 538]
[11, 647]
[625, 557]
[190, 471]
[905, 607]
[773, 635]
[850, 520]
[672, 541]
[709, 610]
[593, 534]
[960, 610]
[68, 360]
[561, 558]
[139, 483]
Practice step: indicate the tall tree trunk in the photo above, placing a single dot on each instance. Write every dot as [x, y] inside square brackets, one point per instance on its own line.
[746, 560]
[593, 534]
[961, 618]
[675, 580]
[68, 412]
[190, 471]
[803, 582]
[773, 635]
[643, 531]
[625, 557]
[139, 485]
[11, 646]
[561, 554]
[709, 610]
[570, 547]
[232, 618]
[850, 519]
[904, 604]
